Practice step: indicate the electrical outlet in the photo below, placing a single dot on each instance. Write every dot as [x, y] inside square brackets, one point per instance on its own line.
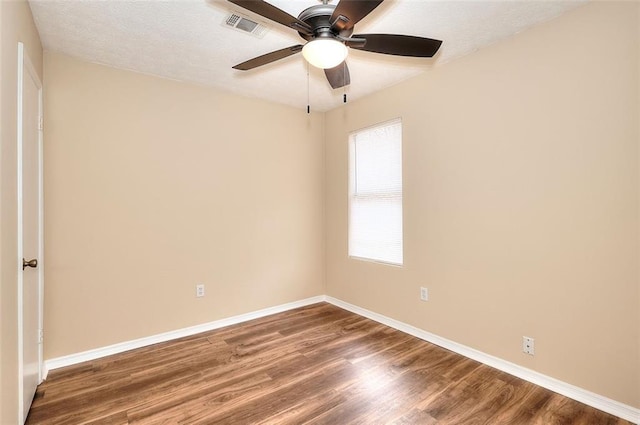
[527, 345]
[200, 290]
[424, 294]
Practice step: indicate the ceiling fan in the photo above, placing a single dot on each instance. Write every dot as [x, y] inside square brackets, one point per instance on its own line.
[328, 30]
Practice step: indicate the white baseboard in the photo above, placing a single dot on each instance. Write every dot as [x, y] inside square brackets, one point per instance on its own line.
[97, 353]
[589, 398]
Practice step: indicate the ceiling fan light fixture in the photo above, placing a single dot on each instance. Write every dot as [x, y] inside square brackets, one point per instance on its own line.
[325, 52]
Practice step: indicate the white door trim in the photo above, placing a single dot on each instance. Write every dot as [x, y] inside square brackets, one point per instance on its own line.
[24, 63]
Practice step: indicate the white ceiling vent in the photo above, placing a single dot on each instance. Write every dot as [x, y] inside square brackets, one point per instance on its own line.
[245, 25]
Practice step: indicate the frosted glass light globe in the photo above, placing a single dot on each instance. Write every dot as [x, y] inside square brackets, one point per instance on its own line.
[325, 52]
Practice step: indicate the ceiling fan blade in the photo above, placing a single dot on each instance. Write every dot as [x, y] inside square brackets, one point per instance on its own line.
[271, 12]
[338, 76]
[268, 58]
[400, 45]
[353, 11]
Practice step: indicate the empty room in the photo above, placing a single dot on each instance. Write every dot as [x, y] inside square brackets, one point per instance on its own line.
[319, 212]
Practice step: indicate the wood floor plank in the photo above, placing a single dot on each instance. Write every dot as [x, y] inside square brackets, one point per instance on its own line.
[314, 365]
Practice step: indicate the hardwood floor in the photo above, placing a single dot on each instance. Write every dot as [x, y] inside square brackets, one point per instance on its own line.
[313, 365]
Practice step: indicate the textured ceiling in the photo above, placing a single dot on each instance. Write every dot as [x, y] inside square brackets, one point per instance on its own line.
[186, 40]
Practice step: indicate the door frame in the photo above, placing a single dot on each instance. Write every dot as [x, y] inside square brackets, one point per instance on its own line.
[25, 64]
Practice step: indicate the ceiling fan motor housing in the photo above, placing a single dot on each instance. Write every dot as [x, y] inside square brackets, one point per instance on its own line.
[319, 18]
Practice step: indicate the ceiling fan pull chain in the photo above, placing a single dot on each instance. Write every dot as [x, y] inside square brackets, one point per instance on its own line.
[344, 79]
[308, 102]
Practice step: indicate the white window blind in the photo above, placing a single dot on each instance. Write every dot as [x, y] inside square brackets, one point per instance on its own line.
[375, 193]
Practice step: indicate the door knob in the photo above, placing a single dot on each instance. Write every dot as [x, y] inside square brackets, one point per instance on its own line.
[31, 263]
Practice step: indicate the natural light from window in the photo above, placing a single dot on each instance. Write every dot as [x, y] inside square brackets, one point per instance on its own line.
[375, 193]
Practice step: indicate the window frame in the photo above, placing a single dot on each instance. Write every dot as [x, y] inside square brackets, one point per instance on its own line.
[352, 187]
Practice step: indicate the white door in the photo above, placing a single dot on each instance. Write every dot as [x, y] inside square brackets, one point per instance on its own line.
[29, 230]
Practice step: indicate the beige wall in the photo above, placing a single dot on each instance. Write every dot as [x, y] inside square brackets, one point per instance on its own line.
[16, 24]
[521, 199]
[3, 410]
[153, 186]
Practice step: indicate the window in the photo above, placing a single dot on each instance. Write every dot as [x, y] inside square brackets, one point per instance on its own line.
[375, 193]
